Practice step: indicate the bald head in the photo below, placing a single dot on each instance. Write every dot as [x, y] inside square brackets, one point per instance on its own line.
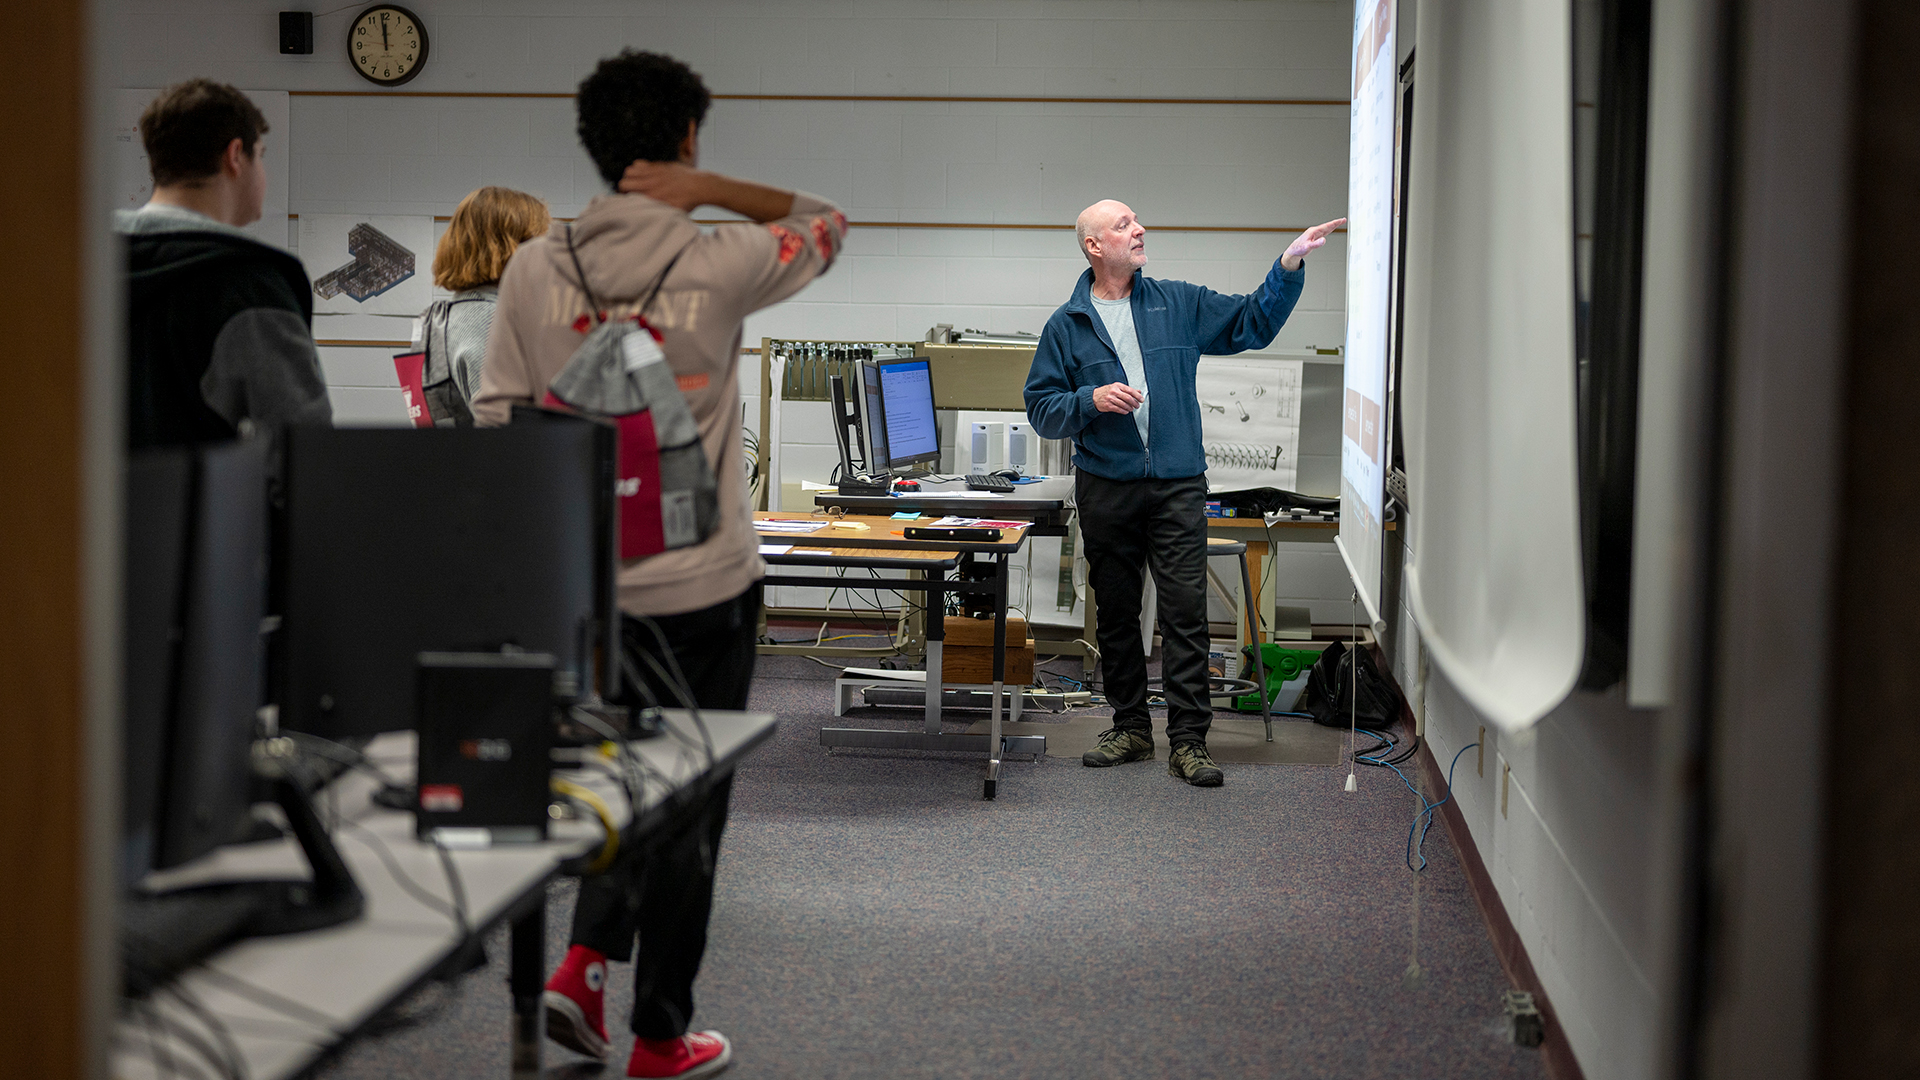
[1111, 238]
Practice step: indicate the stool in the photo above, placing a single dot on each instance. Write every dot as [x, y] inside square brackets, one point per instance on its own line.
[1239, 548]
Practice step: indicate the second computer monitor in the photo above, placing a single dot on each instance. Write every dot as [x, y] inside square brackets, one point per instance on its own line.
[400, 542]
[902, 430]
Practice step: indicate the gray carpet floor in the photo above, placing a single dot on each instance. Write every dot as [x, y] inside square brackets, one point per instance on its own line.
[876, 918]
[1233, 739]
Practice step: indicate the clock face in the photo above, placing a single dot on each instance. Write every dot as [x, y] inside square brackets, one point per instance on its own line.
[387, 44]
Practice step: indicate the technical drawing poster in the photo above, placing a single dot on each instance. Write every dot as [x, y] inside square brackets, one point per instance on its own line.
[1250, 421]
[133, 181]
[368, 264]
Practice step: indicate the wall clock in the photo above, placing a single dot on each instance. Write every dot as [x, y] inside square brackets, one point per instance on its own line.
[387, 44]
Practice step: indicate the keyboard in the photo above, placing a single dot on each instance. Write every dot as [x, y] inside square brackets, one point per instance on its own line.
[983, 482]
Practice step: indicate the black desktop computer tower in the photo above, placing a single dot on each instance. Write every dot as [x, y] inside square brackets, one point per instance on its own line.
[486, 741]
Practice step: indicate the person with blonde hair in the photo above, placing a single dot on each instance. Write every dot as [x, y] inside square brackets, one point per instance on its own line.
[488, 226]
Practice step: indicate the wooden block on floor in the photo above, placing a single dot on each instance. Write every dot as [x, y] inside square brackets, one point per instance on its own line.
[964, 631]
[974, 663]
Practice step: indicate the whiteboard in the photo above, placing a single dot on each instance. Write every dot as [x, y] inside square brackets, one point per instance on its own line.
[133, 181]
[1363, 450]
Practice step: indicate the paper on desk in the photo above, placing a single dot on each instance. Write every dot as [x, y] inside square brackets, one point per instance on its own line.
[775, 549]
[951, 522]
[810, 485]
[788, 526]
[969, 494]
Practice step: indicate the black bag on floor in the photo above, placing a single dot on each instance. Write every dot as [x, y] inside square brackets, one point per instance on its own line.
[1328, 697]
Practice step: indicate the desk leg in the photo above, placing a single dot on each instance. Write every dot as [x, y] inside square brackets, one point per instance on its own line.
[999, 673]
[526, 978]
[936, 636]
[1256, 601]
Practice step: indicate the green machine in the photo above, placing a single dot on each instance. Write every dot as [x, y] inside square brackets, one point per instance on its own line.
[1286, 676]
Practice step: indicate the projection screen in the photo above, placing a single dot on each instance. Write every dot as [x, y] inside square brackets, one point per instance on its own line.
[1369, 286]
[1494, 571]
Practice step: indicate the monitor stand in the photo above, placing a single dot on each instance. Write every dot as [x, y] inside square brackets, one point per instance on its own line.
[165, 933]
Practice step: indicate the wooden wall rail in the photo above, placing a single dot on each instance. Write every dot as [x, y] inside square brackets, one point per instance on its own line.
[976, 225]
[1340, 102]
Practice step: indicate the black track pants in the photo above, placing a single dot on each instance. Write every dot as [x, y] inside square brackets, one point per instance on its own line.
[1133, 527]
[662, 889]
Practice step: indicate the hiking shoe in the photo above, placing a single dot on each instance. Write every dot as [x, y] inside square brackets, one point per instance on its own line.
[695, 1054]
[1118, 746]
[1190, 762]
[575, 1001]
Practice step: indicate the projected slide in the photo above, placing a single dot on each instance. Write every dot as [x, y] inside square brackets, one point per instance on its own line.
[1369, 285]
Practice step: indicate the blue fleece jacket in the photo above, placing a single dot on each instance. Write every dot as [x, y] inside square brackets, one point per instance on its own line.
[1177, 322]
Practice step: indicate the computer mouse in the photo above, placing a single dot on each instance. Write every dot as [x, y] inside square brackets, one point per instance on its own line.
[1008, 474]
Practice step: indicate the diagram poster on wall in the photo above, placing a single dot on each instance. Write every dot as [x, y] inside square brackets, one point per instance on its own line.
[1369, 278]
[133, 180]
[1250, 422]
[368, 264]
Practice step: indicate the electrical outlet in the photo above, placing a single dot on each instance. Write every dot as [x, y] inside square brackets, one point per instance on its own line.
[1506, 771]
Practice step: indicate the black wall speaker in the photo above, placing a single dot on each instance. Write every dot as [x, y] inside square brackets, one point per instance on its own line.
[296, 33]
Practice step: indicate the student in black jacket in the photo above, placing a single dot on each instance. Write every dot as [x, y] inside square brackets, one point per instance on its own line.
[219, 325]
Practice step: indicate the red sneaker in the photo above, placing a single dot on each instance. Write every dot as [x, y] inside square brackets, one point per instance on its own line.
[695, 1054]
[575, 1001]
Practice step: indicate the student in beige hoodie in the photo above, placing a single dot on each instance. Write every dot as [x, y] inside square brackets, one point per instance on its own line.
[697, 607]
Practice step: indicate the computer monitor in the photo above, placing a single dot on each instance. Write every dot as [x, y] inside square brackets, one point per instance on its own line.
[195, 558]
[903, 430]
[847, 428]
[195, 561]
[875, 418]
[402, 541]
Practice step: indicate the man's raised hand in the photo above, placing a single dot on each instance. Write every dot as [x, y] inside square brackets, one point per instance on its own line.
[1117, 398]
[1308, 242]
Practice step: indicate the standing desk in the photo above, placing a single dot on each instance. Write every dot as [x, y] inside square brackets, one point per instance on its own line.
[877, 548]
[288, 1001]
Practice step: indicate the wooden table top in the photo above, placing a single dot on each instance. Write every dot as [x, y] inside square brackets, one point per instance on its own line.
[881, 533]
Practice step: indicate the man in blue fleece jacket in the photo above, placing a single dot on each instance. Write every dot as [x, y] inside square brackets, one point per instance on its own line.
[1124, 340]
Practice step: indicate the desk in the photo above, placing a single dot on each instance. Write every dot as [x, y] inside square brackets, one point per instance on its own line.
[329, 983]
[1043, 502]
[877, 548]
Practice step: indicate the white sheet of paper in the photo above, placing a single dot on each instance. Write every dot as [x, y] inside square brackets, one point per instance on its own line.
[775, 549]
[953, 522]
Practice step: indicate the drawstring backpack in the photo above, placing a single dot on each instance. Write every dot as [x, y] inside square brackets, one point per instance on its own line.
[666, 493]
[426, 377]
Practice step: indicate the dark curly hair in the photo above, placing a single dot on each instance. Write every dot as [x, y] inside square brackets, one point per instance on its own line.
[190, 125]
[635, 107]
